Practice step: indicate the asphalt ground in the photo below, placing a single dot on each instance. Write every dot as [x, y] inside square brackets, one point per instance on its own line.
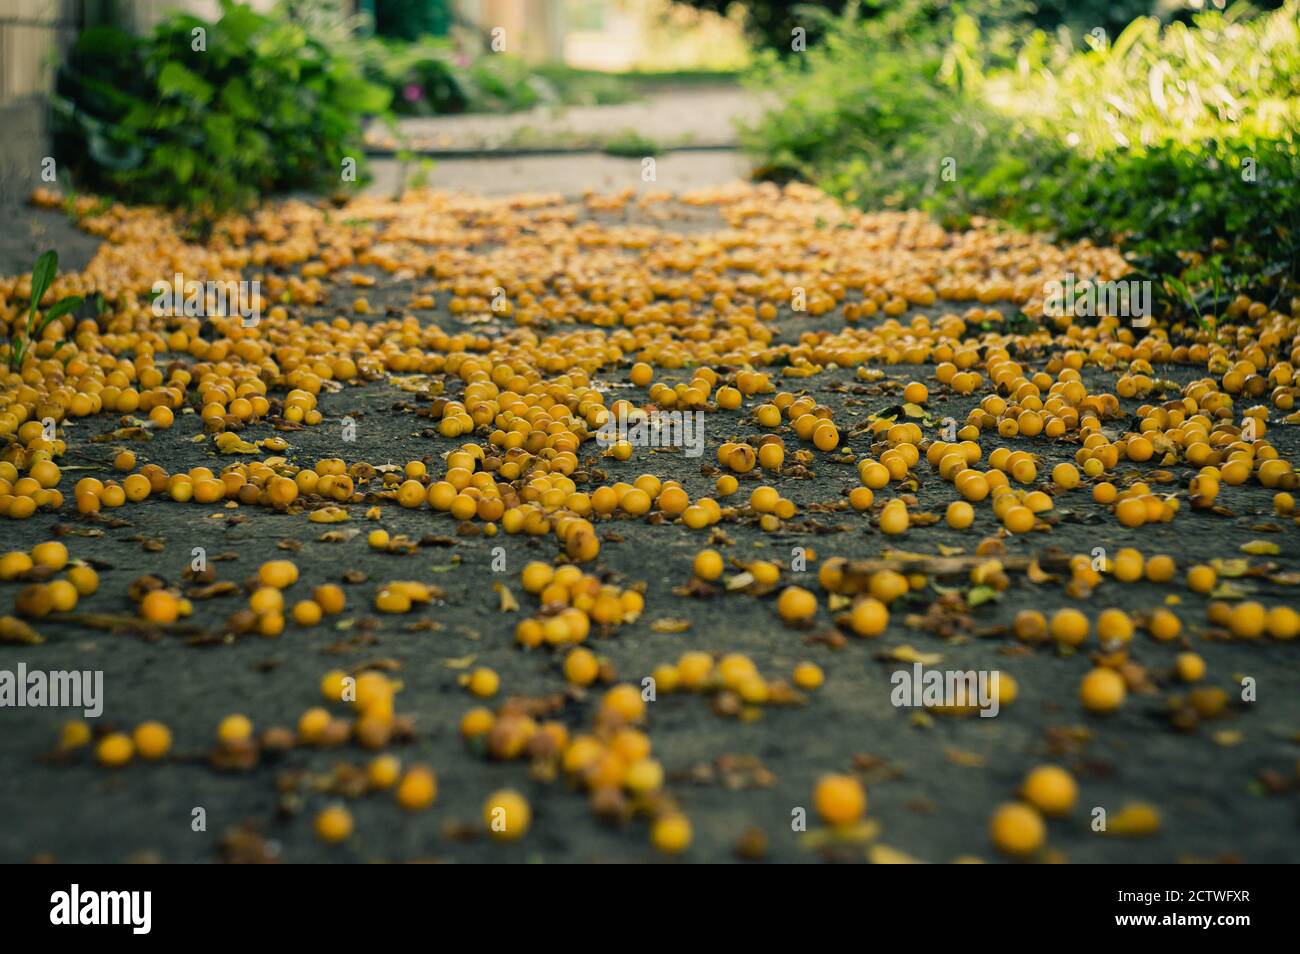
[1225, 788]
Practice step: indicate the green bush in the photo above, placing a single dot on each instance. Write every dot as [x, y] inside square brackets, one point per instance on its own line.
[1188, 210]
[504, 84]
[1084, 15]
[873, 111]
[412, 19]
[1178, 143]
[209, 115]
[422, 77]
[770, 22]
[428, 75]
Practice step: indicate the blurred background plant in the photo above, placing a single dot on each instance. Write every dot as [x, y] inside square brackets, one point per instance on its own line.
[613, 52]
[1177, 140]
[770, 23]
[1160, 125]
[209, 115]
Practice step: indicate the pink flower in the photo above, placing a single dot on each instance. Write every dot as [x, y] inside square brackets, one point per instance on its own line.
[412, 92]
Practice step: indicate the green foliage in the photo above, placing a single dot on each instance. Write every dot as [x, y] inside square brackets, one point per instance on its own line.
[43, 273]
[1178, 142]
[1186, 209]
[430, 76]
[412, 19]
[422, 77]
[631, 144]
[577, 87]
[1083, 15]
[872, 111]
[503, 84]
[1230, 76]
[210, 120]
[770, 22]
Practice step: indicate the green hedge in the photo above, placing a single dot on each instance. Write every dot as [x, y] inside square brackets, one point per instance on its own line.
[210, 115]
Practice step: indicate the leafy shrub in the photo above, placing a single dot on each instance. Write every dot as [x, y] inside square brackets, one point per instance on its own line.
[1083, 15]
[423, 77]
[871, 112]
[1187, 209]
[1229, 76]
[1179, 143]
[429, 76]
[504, 84]
[411, 19]
[209, 115]
[770, 22]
